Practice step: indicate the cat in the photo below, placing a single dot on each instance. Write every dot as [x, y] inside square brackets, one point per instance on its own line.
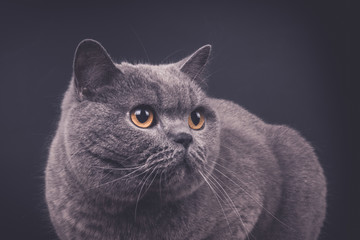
[141, 152]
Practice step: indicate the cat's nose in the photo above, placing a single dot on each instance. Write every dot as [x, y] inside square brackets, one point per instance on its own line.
[183, 138]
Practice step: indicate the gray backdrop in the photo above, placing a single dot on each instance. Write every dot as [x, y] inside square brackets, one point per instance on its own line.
[283, 61]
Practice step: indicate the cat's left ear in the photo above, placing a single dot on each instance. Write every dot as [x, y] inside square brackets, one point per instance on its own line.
[93, 69]
[195, 64]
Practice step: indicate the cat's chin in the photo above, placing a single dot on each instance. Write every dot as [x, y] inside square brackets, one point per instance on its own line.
[177, 183]
[171, 186]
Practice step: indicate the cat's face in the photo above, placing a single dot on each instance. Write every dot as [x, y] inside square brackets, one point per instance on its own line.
[147, 129]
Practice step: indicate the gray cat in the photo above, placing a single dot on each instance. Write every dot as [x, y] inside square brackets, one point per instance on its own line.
[141, 152]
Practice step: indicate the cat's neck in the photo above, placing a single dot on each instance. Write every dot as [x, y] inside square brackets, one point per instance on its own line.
[149, 205]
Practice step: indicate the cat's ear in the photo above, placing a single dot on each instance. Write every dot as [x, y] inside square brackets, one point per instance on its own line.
[93, 68]
[195, 64]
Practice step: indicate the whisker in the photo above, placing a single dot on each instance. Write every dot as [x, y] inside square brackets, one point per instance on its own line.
[141, 43]
[121, 178]
[211, 74]
[199, 157]
[119, 169]
[170, 55]
[217, 198]
[138, 198]
[247, 193]
[196, 158]
[155, 175]
[231, 202]
[162, 172]
[81, 150]
[106, 141]
[156, 155]
[201, 154]
[234, 175]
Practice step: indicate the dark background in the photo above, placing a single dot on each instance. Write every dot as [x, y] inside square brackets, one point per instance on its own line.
[286, 62]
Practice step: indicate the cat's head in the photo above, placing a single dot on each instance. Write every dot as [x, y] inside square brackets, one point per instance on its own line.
[139, 128]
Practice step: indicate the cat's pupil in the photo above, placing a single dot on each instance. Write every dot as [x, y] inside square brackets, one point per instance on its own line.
[195, 117]
[142, 115]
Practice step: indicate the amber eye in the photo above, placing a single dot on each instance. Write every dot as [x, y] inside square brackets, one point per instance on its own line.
[142, 116]
[196, 120]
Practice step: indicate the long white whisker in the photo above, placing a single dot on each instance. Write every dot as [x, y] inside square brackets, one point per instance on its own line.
[121, 178]
[162, 172]
[138, 198]
[231, 202]
[141, 43]
[171, 54]
[247, 193]
[230, 171]
[155, 175]
[119, 169]
[217, 197]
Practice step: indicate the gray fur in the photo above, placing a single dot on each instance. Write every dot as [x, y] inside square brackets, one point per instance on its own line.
[265, 180]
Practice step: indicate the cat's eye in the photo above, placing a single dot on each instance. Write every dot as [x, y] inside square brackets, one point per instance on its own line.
[196, 120]
[142, 116]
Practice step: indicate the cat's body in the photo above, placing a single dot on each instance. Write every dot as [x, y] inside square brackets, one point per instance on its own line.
[235, 178]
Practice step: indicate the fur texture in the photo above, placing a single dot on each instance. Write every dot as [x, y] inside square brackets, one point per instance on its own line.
[238, 177]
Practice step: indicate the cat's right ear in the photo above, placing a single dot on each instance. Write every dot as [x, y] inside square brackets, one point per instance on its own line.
[93, 68]
[195, 64]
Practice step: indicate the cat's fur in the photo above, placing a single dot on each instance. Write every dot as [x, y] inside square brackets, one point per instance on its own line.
[239, 178]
